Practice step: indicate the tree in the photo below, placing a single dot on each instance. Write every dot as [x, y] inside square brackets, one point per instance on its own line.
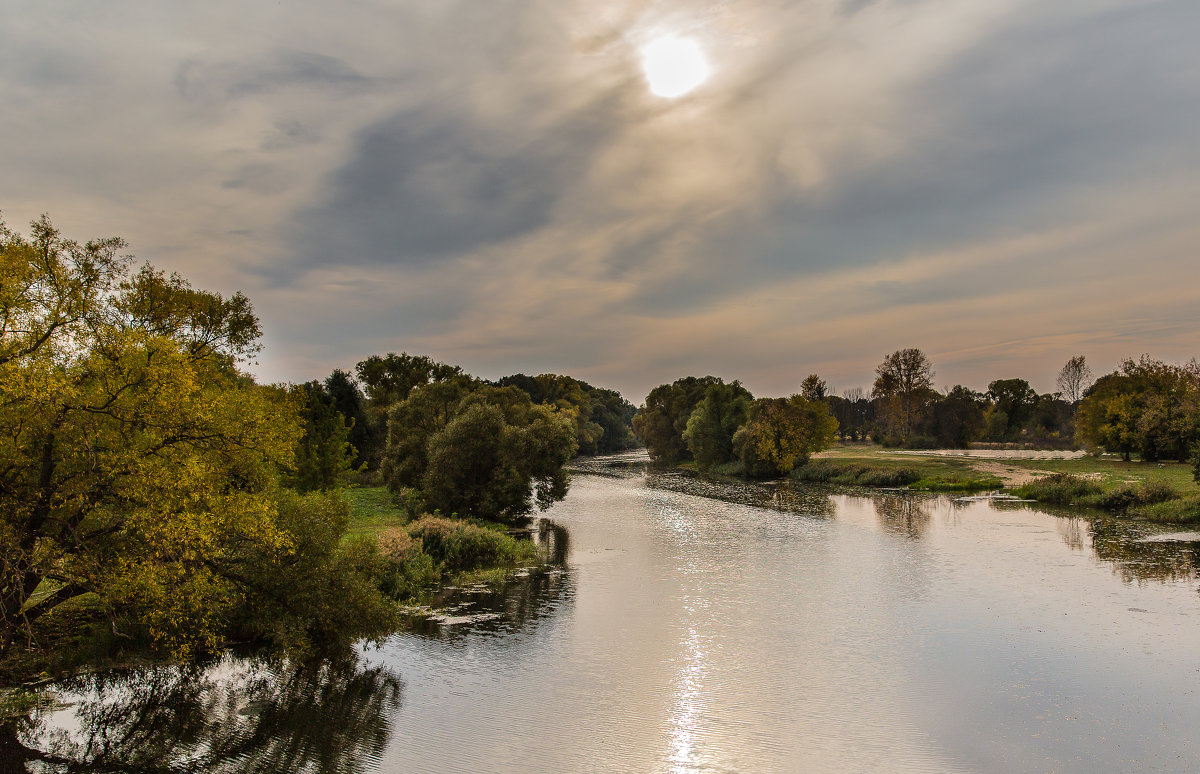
[135, 458]
[710, 428]
[602, 417]
[781, 433]
[491, 466]
[813, 387]
[1016, 400]
[139, 467]
[475, 449]
[1147, 406]
[660, 423]
[903, 383]
[957, 419]
[325, 456]
[1073, 379]
[412, 423]
[350, 402]
[390, 378]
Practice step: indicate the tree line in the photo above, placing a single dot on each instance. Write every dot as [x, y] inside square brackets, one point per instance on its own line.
[1146, 407]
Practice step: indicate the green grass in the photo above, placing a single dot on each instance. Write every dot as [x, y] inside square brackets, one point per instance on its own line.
[1185, 510]
[1111, 472]
[372, 510]
[957, 484]
[1160, 491]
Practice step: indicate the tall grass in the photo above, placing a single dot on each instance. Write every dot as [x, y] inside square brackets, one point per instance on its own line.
[1060, 489]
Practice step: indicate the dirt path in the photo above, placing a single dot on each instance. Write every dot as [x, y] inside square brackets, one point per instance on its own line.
[1009, 475]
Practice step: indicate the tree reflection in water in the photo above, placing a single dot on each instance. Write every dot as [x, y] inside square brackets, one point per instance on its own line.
[238, 715]
[903, 514]
[1121, 542]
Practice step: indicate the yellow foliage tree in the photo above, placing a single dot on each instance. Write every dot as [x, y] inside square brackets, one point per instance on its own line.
[135, 462]
[781, 434]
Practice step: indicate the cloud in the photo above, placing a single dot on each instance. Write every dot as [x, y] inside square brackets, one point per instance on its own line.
[493, 184]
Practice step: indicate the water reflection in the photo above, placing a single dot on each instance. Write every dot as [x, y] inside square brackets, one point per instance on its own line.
[518, 602]
[1135, 560]
[251, 715]
[903, 513]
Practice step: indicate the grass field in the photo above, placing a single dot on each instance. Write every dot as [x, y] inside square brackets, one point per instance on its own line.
[372, 510]
[1109, 472]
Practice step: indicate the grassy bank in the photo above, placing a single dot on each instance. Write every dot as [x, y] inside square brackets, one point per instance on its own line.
[874, 466]
[1161, 491]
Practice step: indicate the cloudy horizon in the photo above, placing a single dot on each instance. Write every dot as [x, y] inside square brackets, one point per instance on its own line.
[1003, 184]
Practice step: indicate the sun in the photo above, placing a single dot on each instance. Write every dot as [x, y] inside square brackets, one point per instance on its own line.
[674, 66]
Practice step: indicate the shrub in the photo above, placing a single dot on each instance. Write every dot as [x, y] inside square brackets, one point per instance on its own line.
[457, 545]
[1180, 510]
[1060, 488]
[887, 477]
[951, 484]
[1148, 492]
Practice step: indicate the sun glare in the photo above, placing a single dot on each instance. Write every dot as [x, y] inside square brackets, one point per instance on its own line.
[674, 66]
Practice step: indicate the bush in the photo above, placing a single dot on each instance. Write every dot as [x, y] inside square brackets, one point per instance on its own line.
[456, 545]
[1148, 492]
[1061, 488]
[322, 591]
[1180, 510]
[854, 474]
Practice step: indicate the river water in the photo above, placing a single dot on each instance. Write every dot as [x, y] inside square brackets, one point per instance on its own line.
[701, 626]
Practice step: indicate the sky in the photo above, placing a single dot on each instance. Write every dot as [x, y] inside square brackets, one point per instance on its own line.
[1001, 183]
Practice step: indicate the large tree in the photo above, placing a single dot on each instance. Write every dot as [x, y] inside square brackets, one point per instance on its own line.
[660, 423]
[137, 466]
[903, 385]
[475, 449]
[133, 454]
[1148, 406]
[782, 433]
[1014, 402]
[710, 428]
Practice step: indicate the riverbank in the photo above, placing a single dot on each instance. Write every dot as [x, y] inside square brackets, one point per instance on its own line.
[1160, 491]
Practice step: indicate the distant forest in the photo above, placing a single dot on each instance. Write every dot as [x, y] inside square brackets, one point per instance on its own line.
[1146, 407]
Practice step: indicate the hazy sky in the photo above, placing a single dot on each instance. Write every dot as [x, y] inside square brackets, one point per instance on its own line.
[1003, 183]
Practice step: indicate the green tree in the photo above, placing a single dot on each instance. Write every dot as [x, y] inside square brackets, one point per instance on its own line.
[814, 388]
[1147, 406]
[412, 423]
[903, 386]
[325, 456]
[956, 419]
[390, 378]
[135, 456]
[710, 428]
[782, 433]
[1017, 400]
[660, 423]
[602, 417]
[351, 403]
[491, 463]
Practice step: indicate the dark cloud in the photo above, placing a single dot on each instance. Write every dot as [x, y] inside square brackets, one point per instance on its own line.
[433, 182]
[197, 79]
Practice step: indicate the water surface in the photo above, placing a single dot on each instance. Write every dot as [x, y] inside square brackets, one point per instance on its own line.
[700, 626]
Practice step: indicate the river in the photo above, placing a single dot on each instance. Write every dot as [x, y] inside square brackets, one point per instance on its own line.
[699, 626]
